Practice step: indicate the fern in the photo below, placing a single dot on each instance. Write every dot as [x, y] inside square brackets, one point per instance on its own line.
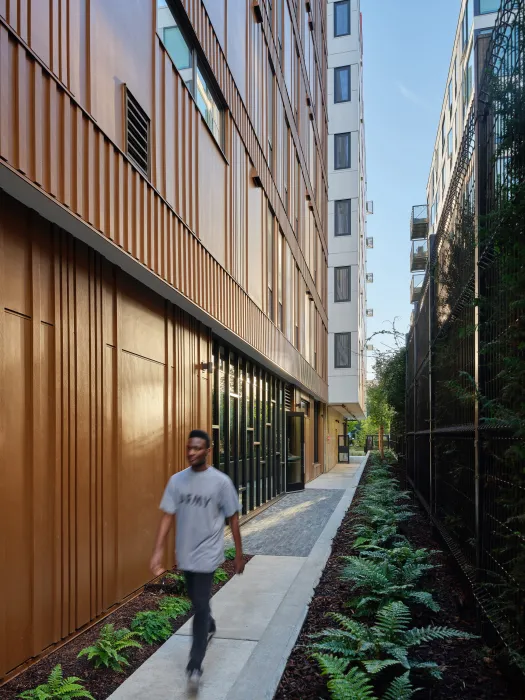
[354, 686]
[400, 688]
[58, 687]
[384, 582]
[384, 644]
[330, 665]
[109, 649]
[220, 576]
[172, 607]
[152, 626]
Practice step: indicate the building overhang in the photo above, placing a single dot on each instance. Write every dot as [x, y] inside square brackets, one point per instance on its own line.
[349, 411]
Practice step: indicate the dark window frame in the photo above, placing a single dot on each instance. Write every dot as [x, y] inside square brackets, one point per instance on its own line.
[349, 23]
[336, 218]
[348, 135]
[339, 365]
[349, 297]
[337, 70]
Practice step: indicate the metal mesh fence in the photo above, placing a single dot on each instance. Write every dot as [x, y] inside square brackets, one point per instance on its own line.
[465, 401]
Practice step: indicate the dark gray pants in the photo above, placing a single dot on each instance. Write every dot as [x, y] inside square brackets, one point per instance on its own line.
[199, 591]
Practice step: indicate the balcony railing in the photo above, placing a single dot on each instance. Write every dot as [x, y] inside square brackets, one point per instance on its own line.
[419, 256]
[419, 222]
[416, 288]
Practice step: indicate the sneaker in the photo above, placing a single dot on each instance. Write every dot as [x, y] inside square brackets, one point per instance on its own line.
[194, 680]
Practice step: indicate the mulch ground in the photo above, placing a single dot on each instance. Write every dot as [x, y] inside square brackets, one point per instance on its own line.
[102, 682]
[470, 669]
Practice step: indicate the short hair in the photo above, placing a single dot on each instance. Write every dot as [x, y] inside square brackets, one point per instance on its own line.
[202, 435]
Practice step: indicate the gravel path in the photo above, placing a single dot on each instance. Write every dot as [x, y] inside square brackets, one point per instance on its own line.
[290, 527]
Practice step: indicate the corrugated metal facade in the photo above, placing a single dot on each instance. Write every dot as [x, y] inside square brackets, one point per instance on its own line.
[101, 378]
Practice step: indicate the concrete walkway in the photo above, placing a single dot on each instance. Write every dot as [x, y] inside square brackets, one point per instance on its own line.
[260, 614]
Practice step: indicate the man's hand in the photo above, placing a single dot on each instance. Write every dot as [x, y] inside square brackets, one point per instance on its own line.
[156, 563]
[239, 564]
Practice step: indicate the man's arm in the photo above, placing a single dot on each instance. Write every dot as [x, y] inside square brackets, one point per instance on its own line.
[236, 532]
[158, 552]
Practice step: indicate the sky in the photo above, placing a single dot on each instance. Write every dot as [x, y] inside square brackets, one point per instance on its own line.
[406, 55]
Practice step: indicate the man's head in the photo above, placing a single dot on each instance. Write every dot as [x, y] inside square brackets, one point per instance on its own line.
[198, 448]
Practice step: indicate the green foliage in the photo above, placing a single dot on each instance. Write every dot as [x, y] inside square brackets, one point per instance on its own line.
[58, 687]
[173, 606]
[385, 581]
[178, 580]
[384, 644]
[378, 408]
[230, 554]
[152, 626]
[110, 648]
[220, 576]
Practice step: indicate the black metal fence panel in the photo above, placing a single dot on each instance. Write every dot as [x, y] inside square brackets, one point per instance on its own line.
[464, 449]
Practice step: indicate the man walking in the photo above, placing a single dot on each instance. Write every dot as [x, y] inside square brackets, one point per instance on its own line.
[199, 499]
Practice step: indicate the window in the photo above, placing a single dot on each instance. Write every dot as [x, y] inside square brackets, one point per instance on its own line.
[443, 132]
[342, 18]
[342, 84]
[280, 272]
[186, 60]
[342, 350]
[342, 151]
[443, 180]
[486, 6]
[286, 164]
[208, 106]
[279, 22]
[455, 77]
[269, 262]
[466, 25]
[342, 283]
[270, 103]
[342, 217]
[468, 81]
[450, 96]
[450, 143]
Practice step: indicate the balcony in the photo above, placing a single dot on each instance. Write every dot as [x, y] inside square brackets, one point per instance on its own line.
[416, 288]
[419, 256]
[419, 222]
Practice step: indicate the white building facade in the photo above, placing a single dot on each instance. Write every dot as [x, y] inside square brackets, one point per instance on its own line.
[347, 209]
[476, 17]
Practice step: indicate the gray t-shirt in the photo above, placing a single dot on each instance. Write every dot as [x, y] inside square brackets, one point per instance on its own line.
[201, 500]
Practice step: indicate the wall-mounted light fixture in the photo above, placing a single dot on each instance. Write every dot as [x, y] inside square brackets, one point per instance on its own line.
[257, 11]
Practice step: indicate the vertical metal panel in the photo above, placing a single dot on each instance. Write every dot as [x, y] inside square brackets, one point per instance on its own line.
[86, 403]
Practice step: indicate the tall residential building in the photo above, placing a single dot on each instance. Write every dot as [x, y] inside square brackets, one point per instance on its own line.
[347, 209]
[476, 18]
[163, 266]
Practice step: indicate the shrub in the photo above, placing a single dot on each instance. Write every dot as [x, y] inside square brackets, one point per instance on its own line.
[178, 580]
[109, 648]
[230, 554]
[172, 607]
[219, 576]
[58, 687]
[152, 626]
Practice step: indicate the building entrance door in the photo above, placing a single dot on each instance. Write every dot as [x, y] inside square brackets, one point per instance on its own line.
[294, 451]
[343, 449]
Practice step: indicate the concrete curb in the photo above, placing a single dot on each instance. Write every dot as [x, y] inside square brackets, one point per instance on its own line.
[262, 672]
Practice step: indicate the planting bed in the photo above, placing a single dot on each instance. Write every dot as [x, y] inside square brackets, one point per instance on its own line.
[469, 668]
[102, 682]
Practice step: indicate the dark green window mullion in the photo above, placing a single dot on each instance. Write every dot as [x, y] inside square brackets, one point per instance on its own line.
[227, 412]
[236, 427]
[250, 433]
[273, 439]
[258, 436]
[216, 407]
[264, 440]
[243, 401]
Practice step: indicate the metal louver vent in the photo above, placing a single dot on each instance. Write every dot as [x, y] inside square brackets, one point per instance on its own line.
[370, 242]
[288, 397]
[370, 277]
[137, 133]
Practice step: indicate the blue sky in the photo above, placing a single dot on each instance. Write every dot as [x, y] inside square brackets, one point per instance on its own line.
[407, 49]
